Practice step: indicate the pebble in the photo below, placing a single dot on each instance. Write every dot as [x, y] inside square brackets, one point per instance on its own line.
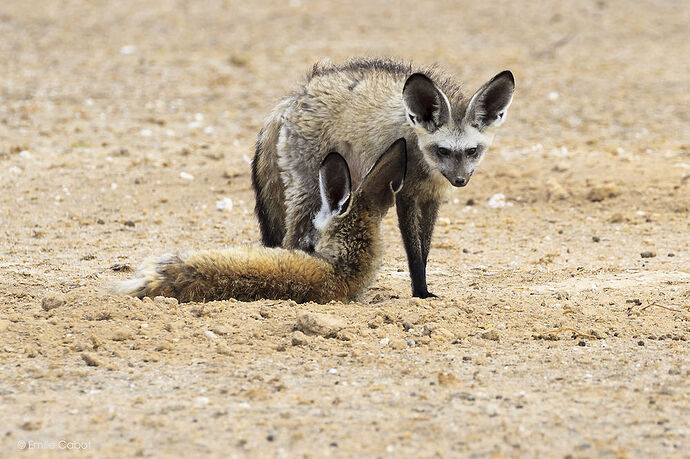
[186, 176]
[599, 192]
[299, 339]
[648, 254]
[314, 323]
[122, 335]
[491, 334]
[210, 335]
[53, 300]
[90, 360]
[555, 191]
[447, 379]
[224, 204]
[497, 201]
[617, 218]
[397, 343]
[31, 425]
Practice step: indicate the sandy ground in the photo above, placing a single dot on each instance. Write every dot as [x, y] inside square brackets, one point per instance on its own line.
[123, 123]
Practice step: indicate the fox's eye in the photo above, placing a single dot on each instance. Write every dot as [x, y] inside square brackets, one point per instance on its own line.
[472, 151]
[443, 151]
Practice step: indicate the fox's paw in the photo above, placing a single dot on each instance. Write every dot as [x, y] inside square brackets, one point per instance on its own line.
[424, 294]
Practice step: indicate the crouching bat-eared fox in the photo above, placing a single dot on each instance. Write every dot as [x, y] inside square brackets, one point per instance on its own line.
[340, 268]
[357, 109]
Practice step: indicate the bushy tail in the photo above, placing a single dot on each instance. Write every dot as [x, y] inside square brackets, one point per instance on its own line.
[153, 278]
[243, 273]
[268, 186]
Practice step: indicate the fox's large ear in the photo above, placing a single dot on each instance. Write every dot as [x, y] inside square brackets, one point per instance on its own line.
[387, 176]
[425, 104]
[490, 103]
[334, 186]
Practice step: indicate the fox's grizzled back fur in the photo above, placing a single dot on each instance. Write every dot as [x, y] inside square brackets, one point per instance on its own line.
[343, 265]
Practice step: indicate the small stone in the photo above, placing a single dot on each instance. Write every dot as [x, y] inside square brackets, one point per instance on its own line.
[164, 346]
[90, 360]
[122, 267]
[222, 349]
[599, 192]
[555, 191]
[410, 342]
[497, 201]
[648, 254]
[345, 335]
[491, 334]
[53, 300]
[31, 351]
[210, 335]
[596, 239]
[671, 254]
[447, 379]
[100, 221]
[561, 167]
[582, 343]
[617, 218]
[640, 343]
[122, 334]
[130, 224]
[299, 339]
[314, 323]
[230, 174]
[407, 326]
[224, 204]
[95, 342]
[31, 425]
[441, 334]
[397, 343]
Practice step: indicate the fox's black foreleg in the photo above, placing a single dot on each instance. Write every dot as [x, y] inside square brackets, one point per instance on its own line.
[410, 221]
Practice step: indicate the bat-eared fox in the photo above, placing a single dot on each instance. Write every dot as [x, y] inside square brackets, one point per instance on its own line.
[357, 109]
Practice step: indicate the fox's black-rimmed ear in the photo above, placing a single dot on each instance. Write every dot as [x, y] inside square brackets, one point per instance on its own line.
[490, 103]
[334, 184]
[425, 104]
[387, 176]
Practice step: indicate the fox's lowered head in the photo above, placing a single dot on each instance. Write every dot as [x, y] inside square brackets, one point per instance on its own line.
[349, 221]
[454, 134]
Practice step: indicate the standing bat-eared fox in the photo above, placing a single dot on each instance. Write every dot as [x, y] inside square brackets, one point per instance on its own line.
[357, 109]
[340, 268]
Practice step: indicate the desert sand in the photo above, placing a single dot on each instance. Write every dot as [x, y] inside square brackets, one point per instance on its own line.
[562, 271]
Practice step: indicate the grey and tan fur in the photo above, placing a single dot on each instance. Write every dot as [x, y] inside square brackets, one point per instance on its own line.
[357, 109]
[341, 268]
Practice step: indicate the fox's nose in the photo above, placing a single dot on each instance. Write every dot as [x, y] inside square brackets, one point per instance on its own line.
[460, 181]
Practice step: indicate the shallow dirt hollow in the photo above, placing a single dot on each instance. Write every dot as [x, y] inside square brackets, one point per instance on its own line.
[123, 123]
